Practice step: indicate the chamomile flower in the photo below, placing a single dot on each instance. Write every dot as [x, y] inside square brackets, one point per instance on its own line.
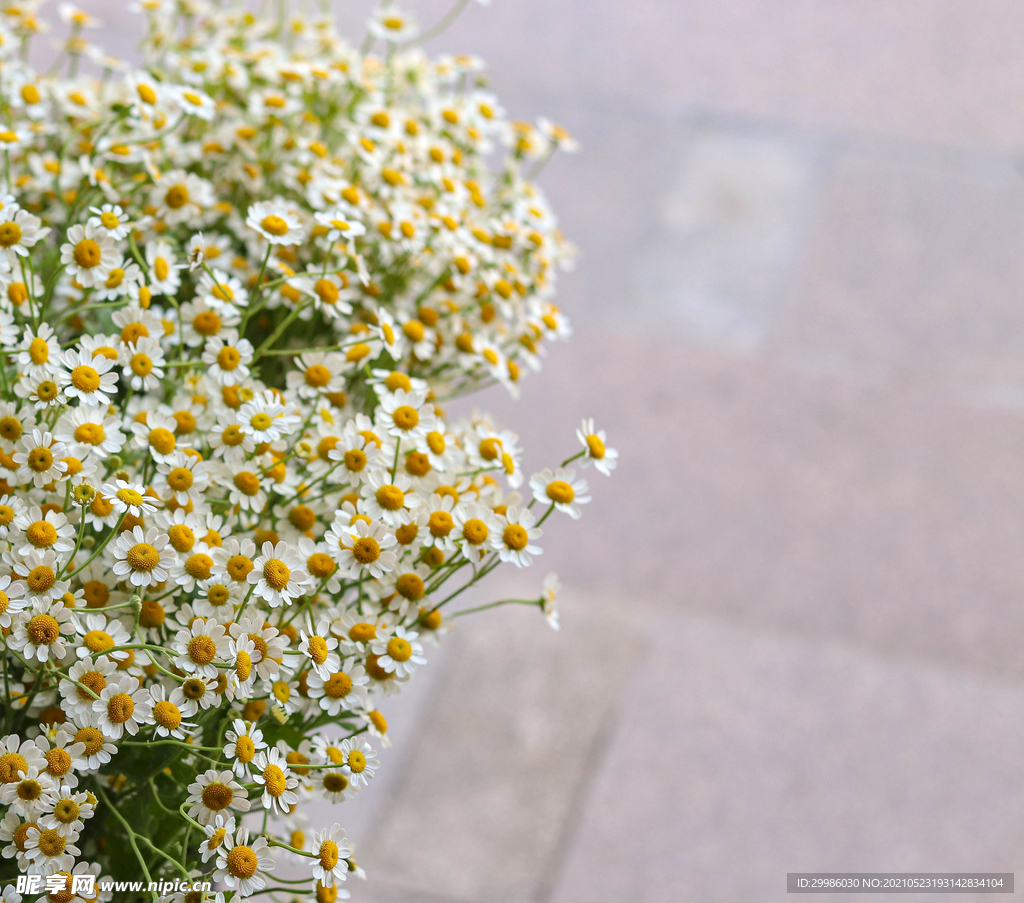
[271, 770]
[243, 866]
[561, 489]
[88, 377]
[142, 557]
[331, 852]
[123, 706]
[318, 645]
[215, 793]
[128, 497]
[243, 743]
[144, 364]
[399, 652]
[363, 547]
[359, 761]
[89, 254]
[517, 535]
[342, 690]
[275, 222]
[596, 452]
[227, 358]
[277, 575]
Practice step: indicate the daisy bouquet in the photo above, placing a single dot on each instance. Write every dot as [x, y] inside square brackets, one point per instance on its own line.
[237, 286]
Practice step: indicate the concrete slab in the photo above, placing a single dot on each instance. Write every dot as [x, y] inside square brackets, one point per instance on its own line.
[741, 756]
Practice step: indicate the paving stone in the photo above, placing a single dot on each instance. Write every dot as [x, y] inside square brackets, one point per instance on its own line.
[912, 272]
[731, 197]
[740, 756]
[480, 812]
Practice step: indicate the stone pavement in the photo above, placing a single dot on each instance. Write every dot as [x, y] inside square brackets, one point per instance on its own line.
[792, 620]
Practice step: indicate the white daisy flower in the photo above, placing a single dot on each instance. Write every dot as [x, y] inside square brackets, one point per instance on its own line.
[331, 852]
[276, 222]
[41, 630]
[242, 867]
[343, 690]
[200, 647]
[89, 377]
[123, 706]
[359, 761]
[519, 531]
[272, 771]
[277, 574]
[227, 358]
[89, 254]
[561, 489]
[142, 557]
[368, 547]
[244, 741]
[398, 652]
[597, 453]
[128, 497]
[143, 364]
[317, 644]
[215, 792]
[220, 832]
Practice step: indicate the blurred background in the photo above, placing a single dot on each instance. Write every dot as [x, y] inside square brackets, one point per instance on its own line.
[792, 620]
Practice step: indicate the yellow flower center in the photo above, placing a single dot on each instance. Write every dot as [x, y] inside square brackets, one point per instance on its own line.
[362, 632]
[130, 496]
[410, 586]
[41, 534]
[274, 780]
[247, 483]
[406, 417]
[181, 537]
[98, 641]
[390, 497]
[329, 854]
[10, 234]
[218, 796]
[39, 351]
[167, 714]
[142, 557]
[338, 685]
[176, 198]
[399, 649]
[40, 578]
[43, 630]
[515, 537]
[318, 650]
[475, 531]
[199, 566]
[142, 364]
[245, 749]
[242, 862]
[180, 479]
[276, 573]
[366, 550]
[90, 433]
[228, 358]
[162, 440]
[275, 225]
[120, 707]
[560, 492]
[202, 649]
[87, 254]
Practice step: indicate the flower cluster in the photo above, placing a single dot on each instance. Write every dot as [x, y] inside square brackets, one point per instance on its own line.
[236, 286]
